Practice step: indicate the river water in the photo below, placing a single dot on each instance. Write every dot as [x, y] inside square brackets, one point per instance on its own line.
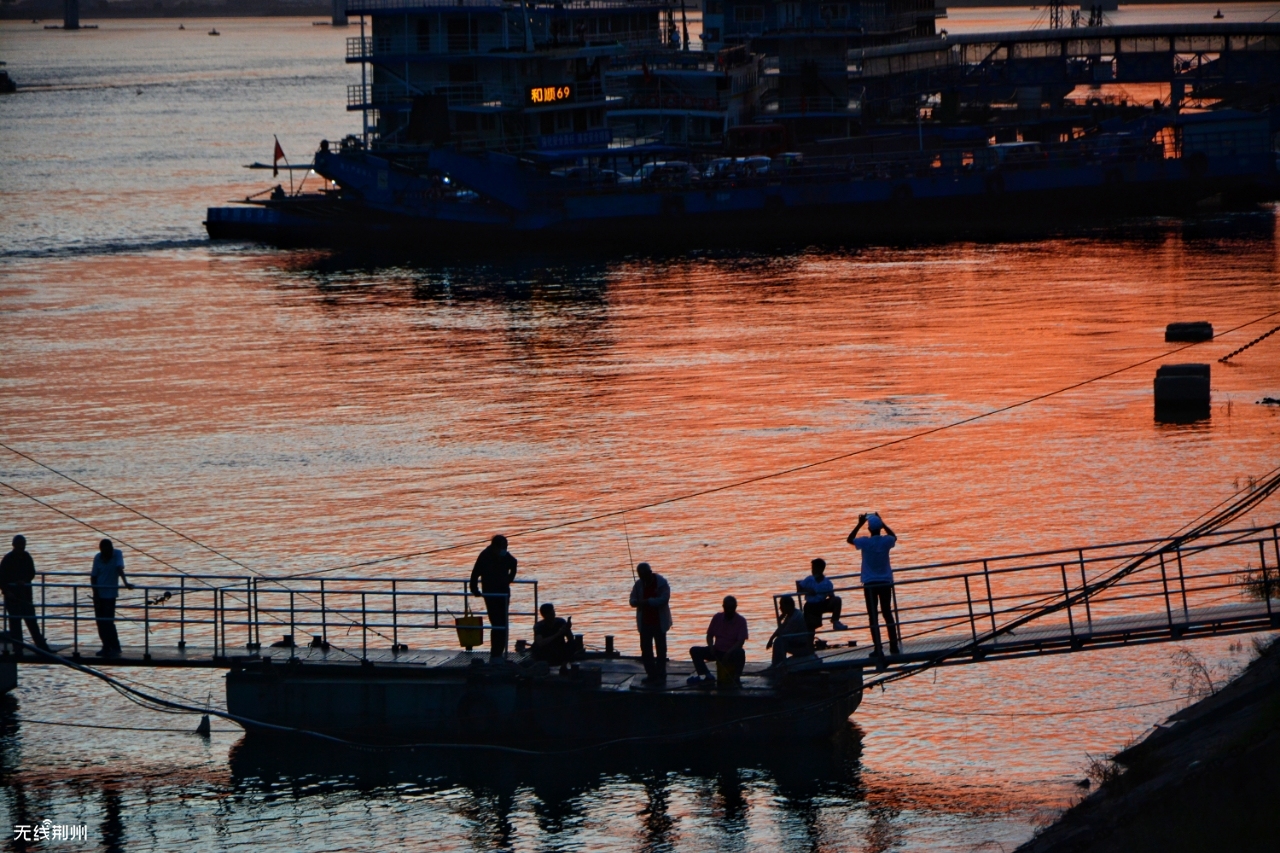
[298, 410]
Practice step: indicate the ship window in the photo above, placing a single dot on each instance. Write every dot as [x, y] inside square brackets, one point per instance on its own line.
[715, 7]
[462, 38]
[486, 122]
[748, 14]
[465, 121]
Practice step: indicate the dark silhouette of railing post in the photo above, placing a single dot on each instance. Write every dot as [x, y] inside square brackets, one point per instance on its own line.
[1084, 585]
[146, 623]
[364, 629]
[1168, 608]
[182, 612]
[1182, 585]
[324, 613]
[1066, 596]
[75, 621]
[973, 621]
[991, 603]
[395, 619]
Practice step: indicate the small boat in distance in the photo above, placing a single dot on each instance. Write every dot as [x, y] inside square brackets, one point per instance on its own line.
[181, 27]
[1219, 16]
[214, 32]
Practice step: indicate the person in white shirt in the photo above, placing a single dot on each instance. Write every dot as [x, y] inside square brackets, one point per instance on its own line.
[819, 597]
[877, 576]
[108, 572]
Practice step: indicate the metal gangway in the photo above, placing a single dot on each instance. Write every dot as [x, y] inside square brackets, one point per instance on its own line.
[958, 612]
[955, 612]
[220, 620]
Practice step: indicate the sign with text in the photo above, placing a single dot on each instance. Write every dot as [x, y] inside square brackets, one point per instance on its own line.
[543, 95]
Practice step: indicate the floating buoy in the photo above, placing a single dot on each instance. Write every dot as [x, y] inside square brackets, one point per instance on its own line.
[1188, 332]
[1182, 392]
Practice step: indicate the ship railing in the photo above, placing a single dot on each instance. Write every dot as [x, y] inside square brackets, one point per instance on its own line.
[359, 46]
[220, 616]
[1223, 582]
[813, 104]
[669, 101]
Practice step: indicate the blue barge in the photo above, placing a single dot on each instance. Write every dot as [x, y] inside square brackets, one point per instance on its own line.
[504, 123]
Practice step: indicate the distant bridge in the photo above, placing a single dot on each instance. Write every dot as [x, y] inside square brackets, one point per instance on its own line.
[1196, 60]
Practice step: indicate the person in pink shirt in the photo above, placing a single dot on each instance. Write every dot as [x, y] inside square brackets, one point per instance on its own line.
[726, 636]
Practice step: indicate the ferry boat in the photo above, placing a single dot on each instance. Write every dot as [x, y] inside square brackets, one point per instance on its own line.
[596, 120]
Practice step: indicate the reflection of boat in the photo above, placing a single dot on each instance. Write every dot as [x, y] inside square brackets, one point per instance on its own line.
[214, 32]
[802, 770]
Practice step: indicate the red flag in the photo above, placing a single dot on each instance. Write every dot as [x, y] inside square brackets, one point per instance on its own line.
[275, 162]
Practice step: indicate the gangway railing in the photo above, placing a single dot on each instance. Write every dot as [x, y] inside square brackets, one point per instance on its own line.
[1224, 582]
[173, 616]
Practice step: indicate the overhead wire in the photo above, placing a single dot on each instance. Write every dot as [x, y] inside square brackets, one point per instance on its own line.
[640, 507]
[786, 471]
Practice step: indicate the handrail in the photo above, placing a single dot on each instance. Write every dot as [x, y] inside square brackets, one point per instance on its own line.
[206, 610]
[1236, 569]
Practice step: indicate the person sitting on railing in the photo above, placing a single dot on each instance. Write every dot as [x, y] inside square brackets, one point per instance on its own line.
[552, 637]
[17, 571]
[108, 571]
[726, 635]
[793, 636]
[494, 571]
[877, 576]
[819, 597]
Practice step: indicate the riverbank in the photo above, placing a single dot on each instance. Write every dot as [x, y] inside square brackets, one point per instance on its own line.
[1206, 779]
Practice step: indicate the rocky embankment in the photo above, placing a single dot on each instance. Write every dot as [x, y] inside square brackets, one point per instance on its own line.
[1207, 779]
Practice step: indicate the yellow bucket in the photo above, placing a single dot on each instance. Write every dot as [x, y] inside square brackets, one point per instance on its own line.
[470, 629]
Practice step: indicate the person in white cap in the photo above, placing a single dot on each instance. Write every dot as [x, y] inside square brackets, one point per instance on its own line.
[877, 576]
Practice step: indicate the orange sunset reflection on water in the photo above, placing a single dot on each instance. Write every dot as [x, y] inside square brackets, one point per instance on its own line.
[297, 412]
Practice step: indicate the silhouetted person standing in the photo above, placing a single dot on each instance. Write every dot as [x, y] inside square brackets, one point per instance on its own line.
[651, 597]
[495, 569]
[877, 576]
[17, 571]
[108, 572]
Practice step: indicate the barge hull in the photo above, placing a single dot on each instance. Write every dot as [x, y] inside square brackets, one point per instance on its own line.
[486, 704]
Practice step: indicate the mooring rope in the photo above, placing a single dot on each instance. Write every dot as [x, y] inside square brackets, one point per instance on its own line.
[1256, 340]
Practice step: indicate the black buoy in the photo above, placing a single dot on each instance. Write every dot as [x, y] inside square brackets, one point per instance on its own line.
[1188, 332]
[1182, 392]
[204, 729]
